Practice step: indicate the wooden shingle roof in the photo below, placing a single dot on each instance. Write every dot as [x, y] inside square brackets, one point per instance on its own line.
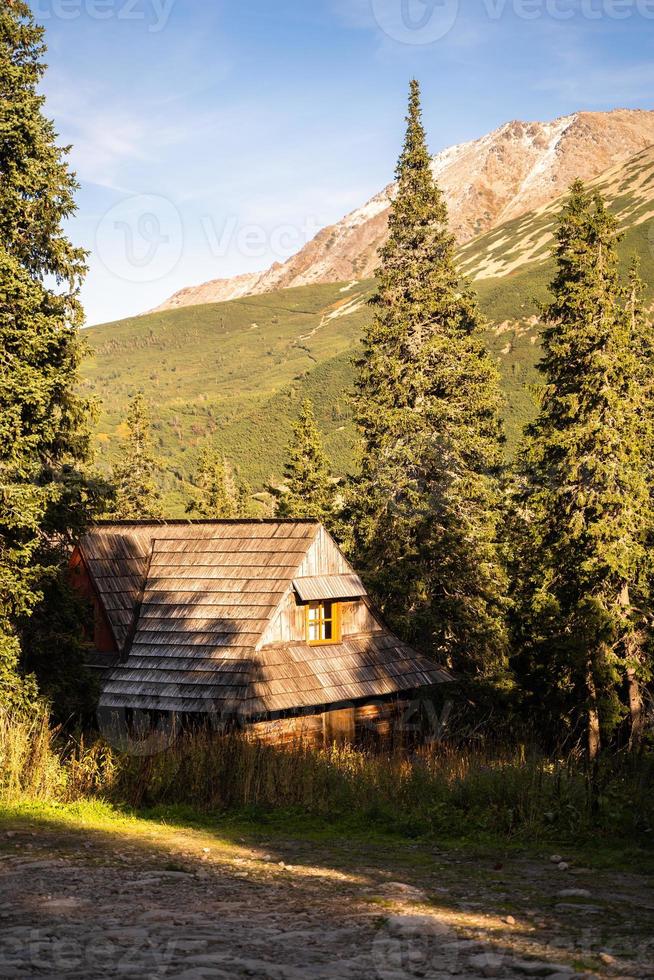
[315, 587]
[117, 558]
[192, 602]
[362, 667]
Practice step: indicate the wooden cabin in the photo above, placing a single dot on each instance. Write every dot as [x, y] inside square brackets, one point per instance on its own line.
[261, 624]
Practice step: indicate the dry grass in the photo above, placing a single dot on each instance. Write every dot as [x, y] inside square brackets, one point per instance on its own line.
[30, 766]
[514, 793]
[443, 790]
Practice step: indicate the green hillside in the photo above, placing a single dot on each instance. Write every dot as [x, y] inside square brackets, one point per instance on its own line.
[237, 371]
[233, 371]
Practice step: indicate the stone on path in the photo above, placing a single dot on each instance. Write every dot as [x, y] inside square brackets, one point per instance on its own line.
[541, 968]
[488, 964]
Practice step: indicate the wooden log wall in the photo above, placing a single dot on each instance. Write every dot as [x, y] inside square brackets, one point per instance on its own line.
[363, 725]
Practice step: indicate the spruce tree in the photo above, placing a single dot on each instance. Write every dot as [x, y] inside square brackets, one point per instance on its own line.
[135, 474]
[44, 436]
[215, 496]
[309, 489]
[587, 503]
[245, 505]
[425, 508]
[639, 664]
[55, 650]
[219, 492]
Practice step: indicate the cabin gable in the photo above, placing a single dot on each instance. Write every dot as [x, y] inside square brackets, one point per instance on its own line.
[289, 622]
[324, 557]
[323, 560]
[102, 638]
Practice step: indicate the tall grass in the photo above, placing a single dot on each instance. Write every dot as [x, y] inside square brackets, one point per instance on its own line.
[30, 766]
[444, 790]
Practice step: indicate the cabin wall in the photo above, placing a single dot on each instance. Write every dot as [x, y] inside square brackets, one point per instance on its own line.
[357, 617]
[356, 726]
[103, 638]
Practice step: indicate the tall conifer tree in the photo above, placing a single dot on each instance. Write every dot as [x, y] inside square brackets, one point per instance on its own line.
[135, 474]
[218, 495]
[219, 492]
[425, 507]
[587, 499]
[214, 497]
[245, 505]
[44, 438]
[309, 492]
[639, 665]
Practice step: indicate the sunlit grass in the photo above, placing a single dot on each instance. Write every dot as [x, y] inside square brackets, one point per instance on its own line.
[474, 795]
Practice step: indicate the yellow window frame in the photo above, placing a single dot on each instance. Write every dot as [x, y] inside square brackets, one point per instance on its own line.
[321, 620]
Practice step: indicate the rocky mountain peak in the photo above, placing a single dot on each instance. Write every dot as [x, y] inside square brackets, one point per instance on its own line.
[516, 168]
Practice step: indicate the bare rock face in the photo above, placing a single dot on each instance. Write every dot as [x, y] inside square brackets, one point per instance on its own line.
[215, 291]
[503, 175]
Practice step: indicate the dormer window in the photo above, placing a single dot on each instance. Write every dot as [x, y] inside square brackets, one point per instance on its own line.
[323, 624]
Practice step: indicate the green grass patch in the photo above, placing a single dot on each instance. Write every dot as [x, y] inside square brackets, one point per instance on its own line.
[152, 827]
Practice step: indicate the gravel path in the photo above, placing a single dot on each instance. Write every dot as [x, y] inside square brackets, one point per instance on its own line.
[166, 903]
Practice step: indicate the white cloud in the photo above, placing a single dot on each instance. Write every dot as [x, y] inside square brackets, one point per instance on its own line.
[110, 139]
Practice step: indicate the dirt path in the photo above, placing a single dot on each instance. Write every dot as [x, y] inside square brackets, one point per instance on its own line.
[80, 901]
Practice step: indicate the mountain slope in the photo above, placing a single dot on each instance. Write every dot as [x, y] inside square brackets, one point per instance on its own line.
[236, 372]
[519, 167]
[227, 371]
[527, 239]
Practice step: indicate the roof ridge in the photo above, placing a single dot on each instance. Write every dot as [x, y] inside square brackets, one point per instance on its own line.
[180, 522]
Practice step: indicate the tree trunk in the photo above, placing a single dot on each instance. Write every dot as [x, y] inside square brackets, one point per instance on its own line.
[593, 722]
[632, 659]
[635, 707]
[593, 738]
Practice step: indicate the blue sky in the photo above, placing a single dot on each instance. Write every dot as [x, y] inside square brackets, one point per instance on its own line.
[213, 137]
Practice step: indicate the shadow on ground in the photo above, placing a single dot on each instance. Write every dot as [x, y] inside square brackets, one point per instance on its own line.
[86, 892]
